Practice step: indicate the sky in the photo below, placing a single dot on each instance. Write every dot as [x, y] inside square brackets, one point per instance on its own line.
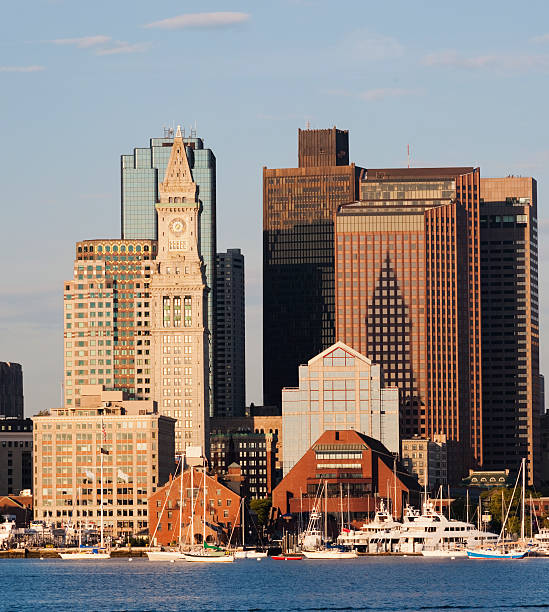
[83, 82]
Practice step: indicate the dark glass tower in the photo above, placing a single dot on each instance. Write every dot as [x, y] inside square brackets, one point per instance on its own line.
[510, 324]
[298, 254]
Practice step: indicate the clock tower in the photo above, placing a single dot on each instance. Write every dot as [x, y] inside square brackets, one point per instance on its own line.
[179, 333]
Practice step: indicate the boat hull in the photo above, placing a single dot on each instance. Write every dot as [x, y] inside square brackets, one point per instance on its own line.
[444, 554]
[164, 555]
[249, 554]
[330, 554]
[208, 558]
[85, 555]
[287, 558]
[494, 554]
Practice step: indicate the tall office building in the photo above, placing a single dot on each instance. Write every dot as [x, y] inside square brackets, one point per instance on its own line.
[179, 306]
[298, 255]
[510, 324]
[408, 296]
[230, 362]
[141, 174]
[11, 390]
[106, 318]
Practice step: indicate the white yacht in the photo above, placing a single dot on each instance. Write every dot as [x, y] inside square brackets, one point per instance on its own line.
[432, 534]
[366, 539]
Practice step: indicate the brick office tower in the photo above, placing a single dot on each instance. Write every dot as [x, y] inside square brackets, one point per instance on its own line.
[298, 257]
[510, 326]
[179, 332]
[230, 349]
[408, 296]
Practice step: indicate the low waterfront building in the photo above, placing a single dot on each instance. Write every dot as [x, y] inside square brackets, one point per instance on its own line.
[338, 389]
[15, 455]
[18, 506]
[487, 478]
[427, 459]
[358, 471]
[137, 446]
[222, 511]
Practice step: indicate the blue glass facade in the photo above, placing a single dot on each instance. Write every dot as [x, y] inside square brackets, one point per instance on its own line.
[141, 172]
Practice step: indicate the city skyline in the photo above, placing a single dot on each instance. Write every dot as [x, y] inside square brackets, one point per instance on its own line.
[76, 77]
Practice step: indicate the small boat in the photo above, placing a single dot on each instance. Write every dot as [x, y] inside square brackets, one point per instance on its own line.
[500, 550]
[330, 553]
[249, 554]
[93, 554]
[444, 554]
[164, 555]
[205, 556]
[490, 553]
[288, 557]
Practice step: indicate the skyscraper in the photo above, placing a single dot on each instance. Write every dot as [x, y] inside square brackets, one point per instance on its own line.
[106, 318]
[510, 324]
[230, 362]
[298, 255]
[11, 390]
[141, 174]
[408, 296]
[179, 307]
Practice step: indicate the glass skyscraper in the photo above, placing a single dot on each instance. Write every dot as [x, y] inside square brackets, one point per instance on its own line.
[141, 173]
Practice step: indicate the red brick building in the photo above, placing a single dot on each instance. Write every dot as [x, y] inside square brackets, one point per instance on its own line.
[358, 471]
[222, 510]
[19, 506]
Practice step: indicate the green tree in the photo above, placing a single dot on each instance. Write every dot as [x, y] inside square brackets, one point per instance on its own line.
[261, 508]
[44, 412]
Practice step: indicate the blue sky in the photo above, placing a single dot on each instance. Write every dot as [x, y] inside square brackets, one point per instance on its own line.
[83, 82]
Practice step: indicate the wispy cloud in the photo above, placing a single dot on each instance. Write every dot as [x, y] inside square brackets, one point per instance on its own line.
[501, 62]
[22, 68]
[200, 20]
[373, 95]
[84, 42]
[370, 46]
[124, 47]
[542, 38]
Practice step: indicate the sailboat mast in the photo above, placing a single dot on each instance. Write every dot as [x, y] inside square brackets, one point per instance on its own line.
[467, 505]
[180, 500]
[192, 506]
[204, 509]
[103, 438]
[325, 510]
[243, 530]
[395, 486]
[523, 497]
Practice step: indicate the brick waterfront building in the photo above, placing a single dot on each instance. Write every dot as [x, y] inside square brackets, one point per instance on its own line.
[355, 467]
[222, 510]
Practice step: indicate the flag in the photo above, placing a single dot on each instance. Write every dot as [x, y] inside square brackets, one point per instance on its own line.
[90, 475]
[104, 451]
[122, 476]
[345, 530]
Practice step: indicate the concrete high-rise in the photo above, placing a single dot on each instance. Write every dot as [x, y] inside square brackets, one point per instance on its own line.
[107, 318]
[510, 324]
[408, 296]
[298, 254]
[141, 174]
[11, 390]
[230, 362]
[179, 306]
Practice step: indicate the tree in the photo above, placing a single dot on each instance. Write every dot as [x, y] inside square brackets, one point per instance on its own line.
[261, 507]
[44, 412]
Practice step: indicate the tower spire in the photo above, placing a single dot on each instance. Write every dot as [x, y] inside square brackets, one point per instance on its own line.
[178, 184]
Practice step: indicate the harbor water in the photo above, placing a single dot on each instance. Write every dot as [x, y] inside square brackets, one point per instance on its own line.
[367, 583]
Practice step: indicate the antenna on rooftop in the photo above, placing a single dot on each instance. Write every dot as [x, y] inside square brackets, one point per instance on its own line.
[308, 124]
[409, 157]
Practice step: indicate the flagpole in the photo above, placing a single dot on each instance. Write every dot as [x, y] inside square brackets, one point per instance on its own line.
[102, 539]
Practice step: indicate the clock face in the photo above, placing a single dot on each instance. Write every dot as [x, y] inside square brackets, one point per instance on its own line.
[177, 226]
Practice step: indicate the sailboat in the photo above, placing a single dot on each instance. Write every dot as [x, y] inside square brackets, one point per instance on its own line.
[500, 551]
[207, 553]
[172, 555]
[93, 552]
[247, 554]
[314, 545]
